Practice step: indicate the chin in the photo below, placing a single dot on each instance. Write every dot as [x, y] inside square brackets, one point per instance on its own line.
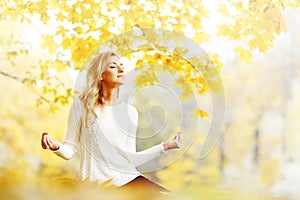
[119, 83]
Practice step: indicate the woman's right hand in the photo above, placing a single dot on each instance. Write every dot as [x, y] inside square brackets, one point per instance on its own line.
[48, 143]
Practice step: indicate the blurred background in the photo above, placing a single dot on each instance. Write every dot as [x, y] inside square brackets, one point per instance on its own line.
[254, 45]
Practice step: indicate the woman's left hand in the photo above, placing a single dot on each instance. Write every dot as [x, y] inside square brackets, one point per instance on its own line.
[175, 143]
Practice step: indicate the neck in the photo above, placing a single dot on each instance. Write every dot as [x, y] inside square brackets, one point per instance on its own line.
[110, 96]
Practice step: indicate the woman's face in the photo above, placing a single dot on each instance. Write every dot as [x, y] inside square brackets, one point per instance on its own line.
[114, 74]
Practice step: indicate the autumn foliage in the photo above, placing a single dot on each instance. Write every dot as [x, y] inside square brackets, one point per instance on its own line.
[37, 74]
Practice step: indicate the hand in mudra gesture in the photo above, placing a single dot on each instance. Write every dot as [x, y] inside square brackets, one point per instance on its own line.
[48, 143]
[174, 143]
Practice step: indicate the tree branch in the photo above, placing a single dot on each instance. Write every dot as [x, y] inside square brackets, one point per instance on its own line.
[22, 80]
[11, 76]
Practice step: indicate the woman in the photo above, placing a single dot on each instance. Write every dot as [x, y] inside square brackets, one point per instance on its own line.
[103, 128]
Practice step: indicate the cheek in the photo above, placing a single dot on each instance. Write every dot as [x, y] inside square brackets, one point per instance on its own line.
[108, 74]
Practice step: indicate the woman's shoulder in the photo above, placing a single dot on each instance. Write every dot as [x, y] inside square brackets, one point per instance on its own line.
[77, 103]
[131, 108]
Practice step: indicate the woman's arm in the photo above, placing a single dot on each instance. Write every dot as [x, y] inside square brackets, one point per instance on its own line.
[68, 148]
[141, 157]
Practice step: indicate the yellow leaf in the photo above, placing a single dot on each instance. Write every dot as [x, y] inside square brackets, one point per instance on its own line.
[245, 55]
[224, 10]
[45, 18]
[145, 78]
[59, 66]
[258, 42]
[200, 113]
[216, 61]
[223, 29]
[79, 30]
[215, 86]
[200, 37]
[49, 43]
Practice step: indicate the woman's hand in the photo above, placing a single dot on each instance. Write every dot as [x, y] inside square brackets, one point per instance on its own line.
[175, 143]
[48, 143]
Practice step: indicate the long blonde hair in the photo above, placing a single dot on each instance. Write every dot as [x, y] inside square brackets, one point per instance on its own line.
[92, 95]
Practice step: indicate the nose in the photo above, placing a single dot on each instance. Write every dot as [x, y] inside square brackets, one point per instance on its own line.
[120, 68]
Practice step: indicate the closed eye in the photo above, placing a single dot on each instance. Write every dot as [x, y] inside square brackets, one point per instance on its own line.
[114, 65]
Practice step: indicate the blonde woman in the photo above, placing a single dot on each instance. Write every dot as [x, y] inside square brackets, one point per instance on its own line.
[103, 129]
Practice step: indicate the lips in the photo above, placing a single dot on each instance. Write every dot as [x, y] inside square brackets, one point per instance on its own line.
[120, 76]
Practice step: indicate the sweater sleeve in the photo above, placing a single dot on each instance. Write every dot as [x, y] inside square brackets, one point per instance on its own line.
[68, 148]
[141, 157]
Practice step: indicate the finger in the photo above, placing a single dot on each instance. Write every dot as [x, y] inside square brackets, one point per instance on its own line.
[44, 142]
[179, 140]
[180, 136]
[52, 143]
[49, 142]
[44, 146]
[175, 137]
[44, 139]
[45, 133]
[178, 143]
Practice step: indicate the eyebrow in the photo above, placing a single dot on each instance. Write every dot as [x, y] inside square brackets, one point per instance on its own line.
[116, 63]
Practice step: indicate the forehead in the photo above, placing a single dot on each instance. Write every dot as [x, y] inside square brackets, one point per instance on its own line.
[114, 59]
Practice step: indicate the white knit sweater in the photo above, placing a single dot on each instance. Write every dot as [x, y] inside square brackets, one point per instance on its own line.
[107, 147]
